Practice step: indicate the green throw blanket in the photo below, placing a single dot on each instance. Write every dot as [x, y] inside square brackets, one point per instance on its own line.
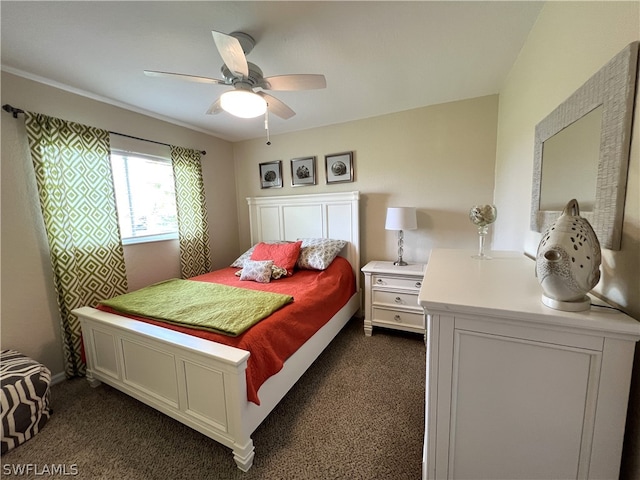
[207, 306]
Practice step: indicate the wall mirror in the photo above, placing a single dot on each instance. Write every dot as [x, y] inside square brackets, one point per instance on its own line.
[581, 151]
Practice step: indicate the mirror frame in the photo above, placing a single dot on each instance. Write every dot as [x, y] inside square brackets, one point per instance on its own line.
[613, 87]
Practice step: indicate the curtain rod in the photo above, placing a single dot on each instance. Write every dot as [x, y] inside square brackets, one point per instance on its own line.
[15, 111]
[202, 152]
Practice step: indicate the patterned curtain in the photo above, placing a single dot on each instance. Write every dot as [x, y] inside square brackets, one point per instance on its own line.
[73, 173]
[192, 213]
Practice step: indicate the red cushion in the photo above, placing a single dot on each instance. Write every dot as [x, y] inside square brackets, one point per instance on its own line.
[283, 255]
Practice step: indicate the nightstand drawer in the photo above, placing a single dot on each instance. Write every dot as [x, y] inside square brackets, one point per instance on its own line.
[396, 282]
[395, 317]
[396, 299]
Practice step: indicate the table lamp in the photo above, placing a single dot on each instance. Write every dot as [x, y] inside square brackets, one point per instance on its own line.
[401, 218]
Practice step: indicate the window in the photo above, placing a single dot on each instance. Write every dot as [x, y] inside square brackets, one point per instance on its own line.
[145, 197]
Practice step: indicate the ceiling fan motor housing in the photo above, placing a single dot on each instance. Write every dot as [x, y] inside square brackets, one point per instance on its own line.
[255, 78]
[246, 41]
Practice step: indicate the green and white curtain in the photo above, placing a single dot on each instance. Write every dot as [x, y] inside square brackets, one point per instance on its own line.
[75, 186]
[193, 230]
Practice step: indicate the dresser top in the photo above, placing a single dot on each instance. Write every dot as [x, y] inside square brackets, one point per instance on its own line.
[505, 287]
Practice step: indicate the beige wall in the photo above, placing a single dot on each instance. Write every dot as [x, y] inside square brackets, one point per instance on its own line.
[570, 42]
[439, 159]
[411, 158]
[29, 314]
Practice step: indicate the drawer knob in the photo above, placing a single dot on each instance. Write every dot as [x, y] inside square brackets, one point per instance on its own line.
[418, 284]
[379, 281]
[398, 300]
[397, 318]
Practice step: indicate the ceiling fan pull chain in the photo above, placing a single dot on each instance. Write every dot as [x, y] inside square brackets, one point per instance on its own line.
[266, 123]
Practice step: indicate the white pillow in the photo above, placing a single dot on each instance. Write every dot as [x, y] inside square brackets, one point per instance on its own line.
[257, 270]
[318, 253]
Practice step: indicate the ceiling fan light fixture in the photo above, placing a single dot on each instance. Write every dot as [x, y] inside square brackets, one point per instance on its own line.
[243, 103]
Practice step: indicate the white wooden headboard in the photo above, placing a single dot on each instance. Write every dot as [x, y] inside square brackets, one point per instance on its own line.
[325, 215]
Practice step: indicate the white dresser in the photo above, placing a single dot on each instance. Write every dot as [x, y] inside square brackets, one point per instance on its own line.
[516, 390]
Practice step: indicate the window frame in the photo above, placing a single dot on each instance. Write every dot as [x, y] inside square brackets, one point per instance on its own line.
[158, 237]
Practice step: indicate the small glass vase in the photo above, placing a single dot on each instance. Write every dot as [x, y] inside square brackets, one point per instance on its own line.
[482, 216]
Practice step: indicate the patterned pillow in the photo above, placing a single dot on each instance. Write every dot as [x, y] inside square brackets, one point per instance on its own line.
[239, 262]
[276, 272]
[257, 270]
[283, 255]
[318, 253]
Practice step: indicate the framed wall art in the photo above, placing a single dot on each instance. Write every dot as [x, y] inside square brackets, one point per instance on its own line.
[303, 171]
[339, 167]
[271, 174]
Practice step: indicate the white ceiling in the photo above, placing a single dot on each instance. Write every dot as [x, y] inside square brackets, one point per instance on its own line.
[377, 57]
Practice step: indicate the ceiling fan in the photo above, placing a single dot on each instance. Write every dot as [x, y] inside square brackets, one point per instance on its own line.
[247, 99]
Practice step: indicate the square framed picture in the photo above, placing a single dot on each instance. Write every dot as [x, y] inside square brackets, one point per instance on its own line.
[271, 174]
[303, 171]
[339, 167]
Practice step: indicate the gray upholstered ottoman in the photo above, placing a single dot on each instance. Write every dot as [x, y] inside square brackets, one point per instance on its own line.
[24, 397]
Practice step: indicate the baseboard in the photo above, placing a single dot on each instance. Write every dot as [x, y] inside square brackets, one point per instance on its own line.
[57, 378]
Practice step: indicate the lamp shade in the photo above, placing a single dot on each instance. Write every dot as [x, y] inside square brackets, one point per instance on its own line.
[243, 103]
[401, 218]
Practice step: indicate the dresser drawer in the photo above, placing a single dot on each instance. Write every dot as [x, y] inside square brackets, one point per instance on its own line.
[396, 282]
[395, 317]
[396, 299]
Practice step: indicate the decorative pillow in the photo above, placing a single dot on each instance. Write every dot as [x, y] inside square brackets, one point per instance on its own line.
[276, 272]
[284, 255]
[239, 262]
[318, 253]
[259, 270]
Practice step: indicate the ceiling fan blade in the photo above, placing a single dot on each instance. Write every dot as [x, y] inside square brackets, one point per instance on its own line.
[182, 76]
[215, 108]
[277, 107]
[231, 53]
[295, 82]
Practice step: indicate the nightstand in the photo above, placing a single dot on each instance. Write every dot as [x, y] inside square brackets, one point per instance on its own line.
[391, 296]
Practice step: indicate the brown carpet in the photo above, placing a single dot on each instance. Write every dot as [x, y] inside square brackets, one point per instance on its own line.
[358, 413]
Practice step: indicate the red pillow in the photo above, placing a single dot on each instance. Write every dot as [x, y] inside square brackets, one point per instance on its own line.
[284, 255]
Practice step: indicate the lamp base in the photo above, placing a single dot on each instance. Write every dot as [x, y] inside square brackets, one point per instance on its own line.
[567, 306]
[399, 262]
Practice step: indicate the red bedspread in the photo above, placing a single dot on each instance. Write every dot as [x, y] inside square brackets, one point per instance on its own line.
[317, 296]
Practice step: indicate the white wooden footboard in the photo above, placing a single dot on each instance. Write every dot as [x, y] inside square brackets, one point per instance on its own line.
[198, 382]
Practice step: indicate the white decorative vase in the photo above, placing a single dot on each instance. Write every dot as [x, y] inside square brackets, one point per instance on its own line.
[568, 261]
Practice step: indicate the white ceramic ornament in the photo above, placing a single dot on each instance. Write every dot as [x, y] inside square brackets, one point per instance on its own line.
[568, 261]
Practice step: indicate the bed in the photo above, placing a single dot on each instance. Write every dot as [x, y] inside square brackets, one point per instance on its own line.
[203, 383]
